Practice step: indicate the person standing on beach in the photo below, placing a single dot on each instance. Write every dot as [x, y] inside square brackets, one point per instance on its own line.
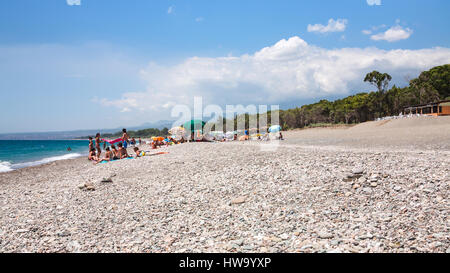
[91, 144]
[97, 144]
[125, 138]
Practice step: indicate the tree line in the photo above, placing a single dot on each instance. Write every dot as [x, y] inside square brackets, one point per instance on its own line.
[431, 86]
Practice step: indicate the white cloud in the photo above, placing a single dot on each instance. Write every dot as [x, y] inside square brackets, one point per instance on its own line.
[290, 70]
[199, 19]
[395, 33]
[73, 2]
[170, 9]
[373, 2]
[338, 25]
[372, 29]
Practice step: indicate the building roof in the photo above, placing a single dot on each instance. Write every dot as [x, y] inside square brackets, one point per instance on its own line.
[445, 102]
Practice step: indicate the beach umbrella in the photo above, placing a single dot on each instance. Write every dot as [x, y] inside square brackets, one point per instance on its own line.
[194, 124]
[274, 128]
[177, 131]
[157, 138]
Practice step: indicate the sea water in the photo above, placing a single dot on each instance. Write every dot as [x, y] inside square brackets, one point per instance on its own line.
[16, 154]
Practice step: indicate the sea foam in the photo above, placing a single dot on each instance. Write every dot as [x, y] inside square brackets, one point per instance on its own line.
[7, 166]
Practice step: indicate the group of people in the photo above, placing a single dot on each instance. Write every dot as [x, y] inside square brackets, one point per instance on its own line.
[246, 136]
[111, 153]
[120, 152]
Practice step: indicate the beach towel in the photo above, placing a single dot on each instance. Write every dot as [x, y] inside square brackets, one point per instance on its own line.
[146, 154]
[160, 153]
[112, 141]
[105, 161]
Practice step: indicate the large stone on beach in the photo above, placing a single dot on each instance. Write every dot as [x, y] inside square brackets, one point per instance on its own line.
[73, 246]
[325, 235]
[358, 171]
[87, 187]
[239, 200]
[107, 180]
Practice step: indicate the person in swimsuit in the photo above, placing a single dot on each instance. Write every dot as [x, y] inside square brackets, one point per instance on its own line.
[97, 144]
[108, 156]
[115, 152]
[91, 144]
[138, 152]
[92, 155]
[122, 151]
[125, 138]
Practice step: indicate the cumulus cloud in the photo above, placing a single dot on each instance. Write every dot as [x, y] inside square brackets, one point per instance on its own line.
[395, 33]
[338, 25]
[170, 9]
[289, 70]
[372, 29]
[73, 2]
[373, 2]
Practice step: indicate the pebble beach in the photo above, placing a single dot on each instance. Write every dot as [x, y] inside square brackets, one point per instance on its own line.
[374, 187]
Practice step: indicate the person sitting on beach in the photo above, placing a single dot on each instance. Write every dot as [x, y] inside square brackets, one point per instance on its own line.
[133, 141]
[92, 155]
[125, 138]
[115, 152]
[108, 156]
[243, 138]
[154, 145]
[174, 140]
[122, 151]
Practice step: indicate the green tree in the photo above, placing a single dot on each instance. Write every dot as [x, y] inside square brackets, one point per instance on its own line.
[380, 80]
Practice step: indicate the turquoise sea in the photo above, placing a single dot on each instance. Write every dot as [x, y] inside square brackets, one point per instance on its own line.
[16, 154]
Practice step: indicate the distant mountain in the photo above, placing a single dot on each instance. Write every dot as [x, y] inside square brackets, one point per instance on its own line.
[157, 125]
[80, 133]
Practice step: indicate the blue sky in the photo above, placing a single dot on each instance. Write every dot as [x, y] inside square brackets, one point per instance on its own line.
[68, 64]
